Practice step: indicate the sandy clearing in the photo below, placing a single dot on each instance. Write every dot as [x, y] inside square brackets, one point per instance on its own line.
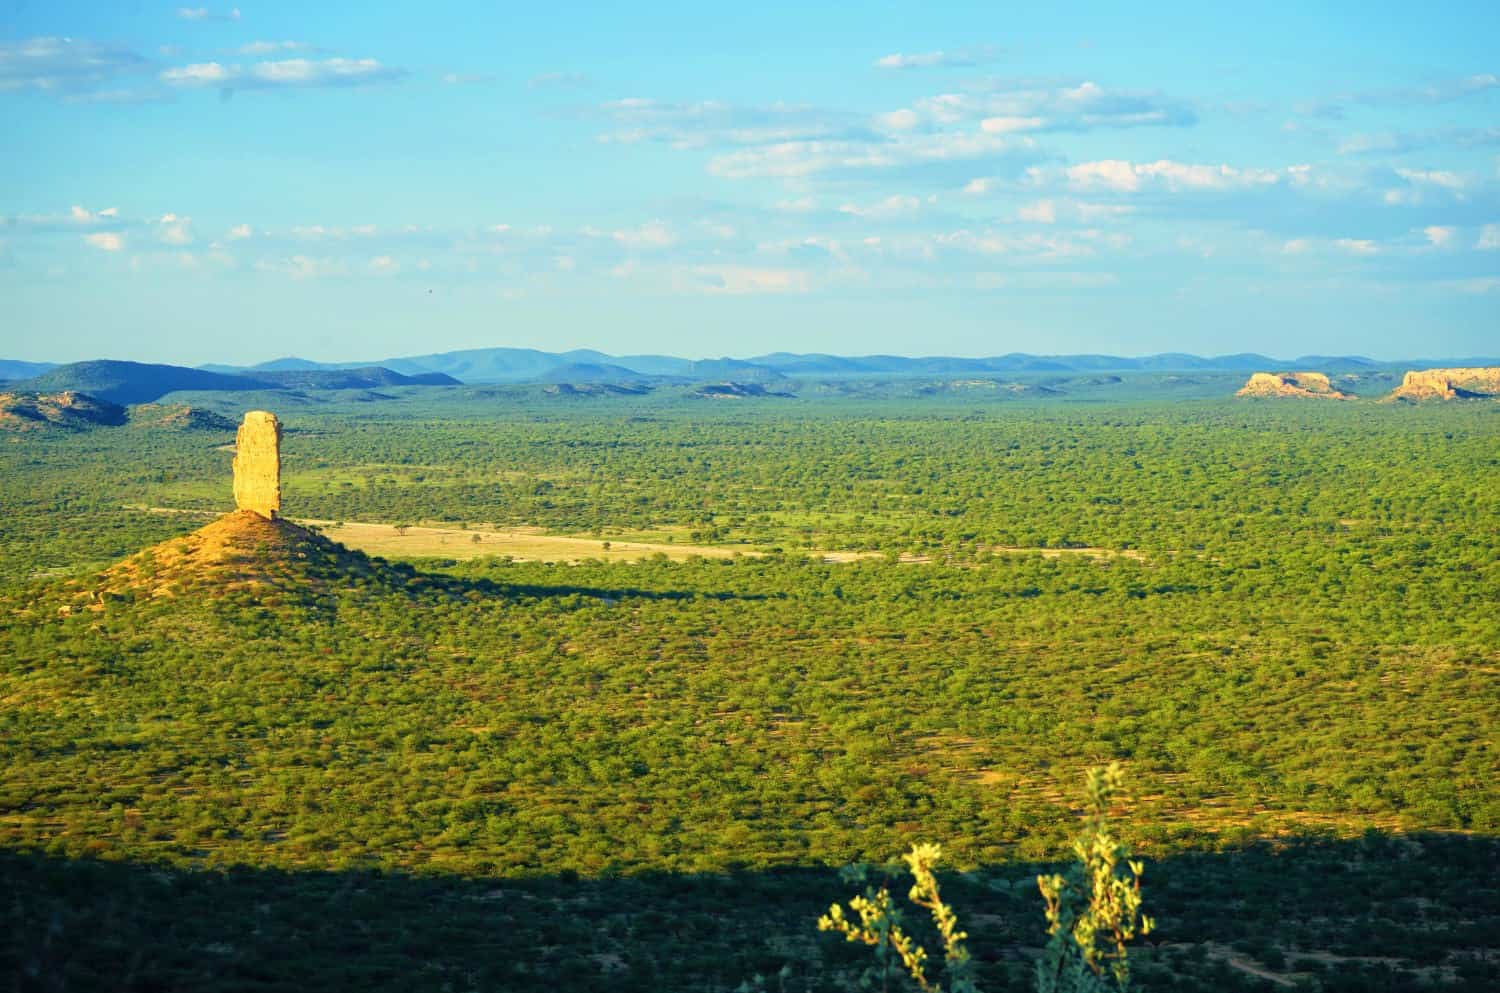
[527, 543]
[522, 544]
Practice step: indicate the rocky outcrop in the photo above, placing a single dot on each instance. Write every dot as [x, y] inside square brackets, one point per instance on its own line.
[69, 409]
[257, 464]
[1449, 384]
[178, 417]
[734, 391]
[1291, 384]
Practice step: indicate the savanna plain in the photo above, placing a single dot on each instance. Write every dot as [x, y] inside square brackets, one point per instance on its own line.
[676, 659]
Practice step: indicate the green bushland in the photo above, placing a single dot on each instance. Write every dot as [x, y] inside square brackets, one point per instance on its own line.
[1298, 672]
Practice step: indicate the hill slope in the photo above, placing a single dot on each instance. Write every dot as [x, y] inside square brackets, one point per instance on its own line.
[362, 378]
[238, 550]
[134, 382]
[68, 409]
[178, 417]
[17, 369]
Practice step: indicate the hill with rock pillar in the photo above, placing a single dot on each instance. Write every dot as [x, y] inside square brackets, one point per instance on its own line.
[241, 550]
[253, 547]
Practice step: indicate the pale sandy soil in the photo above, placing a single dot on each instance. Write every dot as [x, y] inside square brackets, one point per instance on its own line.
[529, 544]
[523, 544]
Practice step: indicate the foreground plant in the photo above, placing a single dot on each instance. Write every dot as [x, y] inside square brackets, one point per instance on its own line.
[1095, 908]
[880, 926]
[1092, 911]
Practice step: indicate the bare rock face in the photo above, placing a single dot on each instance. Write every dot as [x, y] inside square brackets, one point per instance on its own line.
[257, 464]
[69, 409]
[1291, 384]
[1449, 384]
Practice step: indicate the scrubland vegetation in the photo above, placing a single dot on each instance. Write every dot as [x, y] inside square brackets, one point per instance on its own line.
[490, 774]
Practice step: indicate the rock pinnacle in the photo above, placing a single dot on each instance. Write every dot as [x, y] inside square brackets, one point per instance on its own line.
[257, 464]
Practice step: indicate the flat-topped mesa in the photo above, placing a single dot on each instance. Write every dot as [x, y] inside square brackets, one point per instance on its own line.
[1291, 384]
[257, 464]
[1449, 384]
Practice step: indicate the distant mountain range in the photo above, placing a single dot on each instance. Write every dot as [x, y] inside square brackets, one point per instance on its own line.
[139, 382]
[134, 382]
[13, 369]
[529, 365]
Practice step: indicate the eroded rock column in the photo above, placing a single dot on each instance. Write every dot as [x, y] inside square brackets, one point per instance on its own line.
[257, 464]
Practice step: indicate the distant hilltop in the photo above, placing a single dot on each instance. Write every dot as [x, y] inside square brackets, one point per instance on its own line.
[70, 410]
[1291, 384]
[1449, 384]
[67, 409]
[1417, 385]
[118, 382]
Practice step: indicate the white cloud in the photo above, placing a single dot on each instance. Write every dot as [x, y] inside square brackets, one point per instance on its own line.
[710, 122]
[1041, 212]
[240, 232]
[199, 74]
[272, 47]
[738, 280]
[1007, 106]
[1121, 176]
[1489, 237]
[1483, 284]
[652, 234]
[301, 267]
[1036, 246]
[979, 187]
[204, 14]
[805, 158]
[461, 78]
[1114, 174]
[176, 230]
[1439, 236]
[898, 120]
[384, 265]
[933, 60]
[892, 206]
[106, 241]
[1432, 177]
[1296, 246]
[283, 73]
[1442, 91]
[1005, 125]
[65, 66]
[324, 72]
[1357, 246]
[1090, 213]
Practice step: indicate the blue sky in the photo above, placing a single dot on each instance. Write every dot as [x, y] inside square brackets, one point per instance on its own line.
[227, 183]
